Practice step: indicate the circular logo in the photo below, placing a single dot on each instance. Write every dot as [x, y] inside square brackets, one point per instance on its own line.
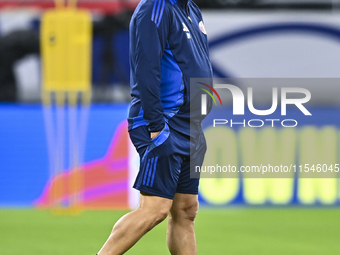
[202, 28]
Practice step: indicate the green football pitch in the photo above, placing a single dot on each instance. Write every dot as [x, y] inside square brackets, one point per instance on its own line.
[233, 231]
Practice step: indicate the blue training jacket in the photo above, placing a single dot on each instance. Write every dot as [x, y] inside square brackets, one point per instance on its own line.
[168, 46]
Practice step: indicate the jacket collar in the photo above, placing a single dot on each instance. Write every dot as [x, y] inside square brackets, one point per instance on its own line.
[183, 3]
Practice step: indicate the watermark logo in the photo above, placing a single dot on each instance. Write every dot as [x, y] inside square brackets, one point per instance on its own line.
[204, 97]
[239, 102]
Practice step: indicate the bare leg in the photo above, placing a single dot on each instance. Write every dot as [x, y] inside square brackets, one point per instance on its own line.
[132, 226]
[181, 237]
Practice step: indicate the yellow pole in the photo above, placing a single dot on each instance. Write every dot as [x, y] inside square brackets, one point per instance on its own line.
[74, 178]
[64, 79]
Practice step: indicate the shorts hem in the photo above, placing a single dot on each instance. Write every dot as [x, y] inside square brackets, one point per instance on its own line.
[155, 193]
[187, 192]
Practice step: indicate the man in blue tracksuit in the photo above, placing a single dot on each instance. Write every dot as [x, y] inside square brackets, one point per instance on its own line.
[168, 47]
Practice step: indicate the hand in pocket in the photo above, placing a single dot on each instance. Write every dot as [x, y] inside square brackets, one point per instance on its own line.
[153, 135]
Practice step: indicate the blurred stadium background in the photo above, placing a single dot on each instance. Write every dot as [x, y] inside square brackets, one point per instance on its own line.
[248, 39]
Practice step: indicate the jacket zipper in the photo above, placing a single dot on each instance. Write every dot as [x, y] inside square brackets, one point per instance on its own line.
[199, 43]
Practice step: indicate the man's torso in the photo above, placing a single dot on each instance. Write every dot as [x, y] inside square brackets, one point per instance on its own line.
[185, 56]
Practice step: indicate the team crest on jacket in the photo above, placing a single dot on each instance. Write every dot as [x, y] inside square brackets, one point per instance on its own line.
[202, 28]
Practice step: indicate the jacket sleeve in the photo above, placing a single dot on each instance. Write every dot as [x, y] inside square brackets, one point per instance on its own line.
[152, 28]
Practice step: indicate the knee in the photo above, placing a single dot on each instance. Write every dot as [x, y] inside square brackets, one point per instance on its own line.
[160, 215]
[154, 217]
[187, 212]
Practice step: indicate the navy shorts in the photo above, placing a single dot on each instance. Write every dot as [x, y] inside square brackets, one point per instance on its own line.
[165, 161]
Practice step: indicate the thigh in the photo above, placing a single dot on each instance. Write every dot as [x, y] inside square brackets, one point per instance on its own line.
[185, 204]
[154, 203]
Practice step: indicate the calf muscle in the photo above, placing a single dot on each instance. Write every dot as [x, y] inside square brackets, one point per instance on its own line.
[131, 227]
